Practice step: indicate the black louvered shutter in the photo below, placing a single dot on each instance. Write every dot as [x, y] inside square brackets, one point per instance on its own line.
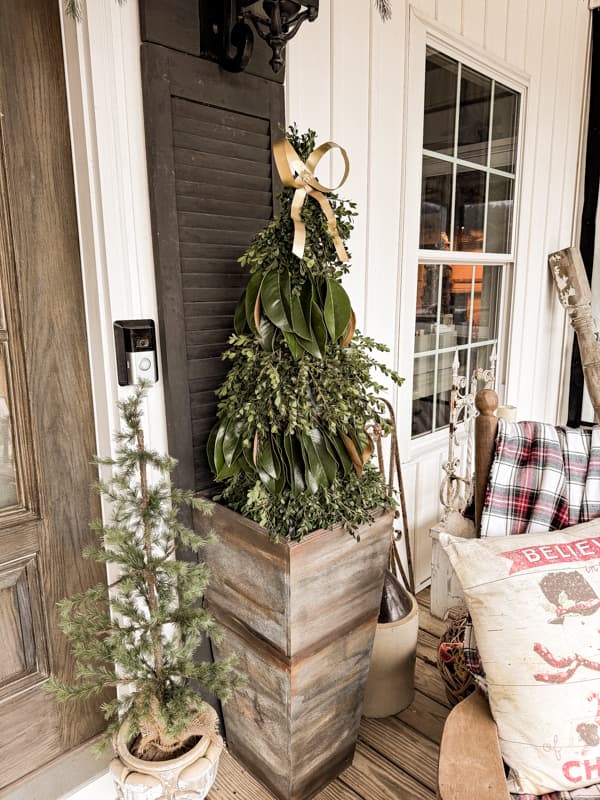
[209, 135]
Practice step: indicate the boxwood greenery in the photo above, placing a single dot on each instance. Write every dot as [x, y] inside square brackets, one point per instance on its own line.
[290, 447]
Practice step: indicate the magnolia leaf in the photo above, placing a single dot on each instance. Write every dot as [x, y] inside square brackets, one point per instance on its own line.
[350, 330]
[210, 448]
[219, 459]
[367, 451]
[336, 447]
[222, 469]
[311, 346]
[312, 483]
[328, 462]
[275, 287]
[322, 466]
[265, 462]
[318, 326]
[247, 465]
[265, 333]
[255, 448]
[337, 309]
[252, 291]
[277, 486]
[257, 310]
[293, 452]
[294, 344]
[227, 472]
[353, 453]
[300, 323]
[232, 441]
[269, 467]
[239, 316]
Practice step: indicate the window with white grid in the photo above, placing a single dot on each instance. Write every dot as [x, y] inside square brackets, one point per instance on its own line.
[470, 146]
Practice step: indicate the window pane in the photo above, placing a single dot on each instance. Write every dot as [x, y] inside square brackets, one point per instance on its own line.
[427, 307]
[486, 303]
[474, 116]
[455, 316]
[505, 128]
[436, 198]
[423, 378]
[480, 359]
[444, 384]
[441, 75]
[469, 209]
[8, 477]
[500, 215]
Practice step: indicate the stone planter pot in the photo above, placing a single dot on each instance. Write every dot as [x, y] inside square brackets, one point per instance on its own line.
[188, 777]
[391, 684]
[300, 618]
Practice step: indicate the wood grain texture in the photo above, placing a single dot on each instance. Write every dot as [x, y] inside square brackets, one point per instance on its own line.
[300, 618]
[212, 186]
[390, 737]
[427, 646]
[233, 781]
[425, 715]
[387, 762]
[174, 24]
[374, 777]
[471, 773]
[427, 623]
[41, 282]
[13, 662]
[429, 681]
[486, 427]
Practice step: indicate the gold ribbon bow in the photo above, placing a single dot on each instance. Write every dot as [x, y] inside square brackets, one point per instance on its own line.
[293, 172]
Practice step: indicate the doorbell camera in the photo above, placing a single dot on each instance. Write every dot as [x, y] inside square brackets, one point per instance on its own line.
[135, 345]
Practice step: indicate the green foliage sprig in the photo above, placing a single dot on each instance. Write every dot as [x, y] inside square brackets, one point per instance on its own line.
[290, 442]
[150, 637]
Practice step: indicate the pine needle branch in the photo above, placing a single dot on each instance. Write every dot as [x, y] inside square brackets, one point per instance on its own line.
[385, 9]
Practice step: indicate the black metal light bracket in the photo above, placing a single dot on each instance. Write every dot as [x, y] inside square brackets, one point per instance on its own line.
[280, 23]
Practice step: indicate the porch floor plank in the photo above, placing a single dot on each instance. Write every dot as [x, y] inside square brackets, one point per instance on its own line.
[396, 757]
[376, 778]
[426, 716]
[403, 747]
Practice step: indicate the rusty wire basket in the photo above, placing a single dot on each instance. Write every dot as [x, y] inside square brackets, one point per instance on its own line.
[458, 681]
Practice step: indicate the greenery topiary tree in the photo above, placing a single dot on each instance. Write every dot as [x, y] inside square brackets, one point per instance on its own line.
[290, 446]
[149, 641]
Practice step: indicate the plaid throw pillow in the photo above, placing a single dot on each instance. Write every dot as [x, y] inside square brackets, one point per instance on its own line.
[542, 479]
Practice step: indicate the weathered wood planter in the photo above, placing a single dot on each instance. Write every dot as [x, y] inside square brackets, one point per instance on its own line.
[300, 617]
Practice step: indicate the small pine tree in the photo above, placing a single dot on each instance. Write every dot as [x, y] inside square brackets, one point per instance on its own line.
[149, 641]
[290, 446]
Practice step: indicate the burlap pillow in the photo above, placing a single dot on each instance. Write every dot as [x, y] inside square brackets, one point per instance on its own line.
[535, 604]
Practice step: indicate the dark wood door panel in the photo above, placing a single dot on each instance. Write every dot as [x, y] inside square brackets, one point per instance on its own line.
[50, 394]
[212, 185]
[23, 629]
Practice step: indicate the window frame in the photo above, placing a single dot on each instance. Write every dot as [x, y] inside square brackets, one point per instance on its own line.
[424, 33]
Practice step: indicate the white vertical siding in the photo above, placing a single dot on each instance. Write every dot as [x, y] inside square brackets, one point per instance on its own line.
[473, 21]
[346, 78]
[516, 33]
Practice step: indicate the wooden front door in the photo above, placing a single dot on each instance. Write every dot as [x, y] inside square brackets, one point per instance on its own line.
[46, 415]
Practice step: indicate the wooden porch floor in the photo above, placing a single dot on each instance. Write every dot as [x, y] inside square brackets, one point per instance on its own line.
[396, 758]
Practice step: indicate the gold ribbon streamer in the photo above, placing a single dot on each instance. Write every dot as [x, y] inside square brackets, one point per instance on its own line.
[294, 173]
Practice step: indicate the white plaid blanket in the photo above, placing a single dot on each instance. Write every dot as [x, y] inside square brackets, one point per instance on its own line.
[542, 478]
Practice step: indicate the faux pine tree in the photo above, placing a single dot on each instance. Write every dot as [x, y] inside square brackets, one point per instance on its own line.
[148, 641]
[290, 447]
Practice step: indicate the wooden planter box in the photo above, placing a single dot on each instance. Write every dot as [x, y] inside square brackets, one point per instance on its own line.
[300, 617]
